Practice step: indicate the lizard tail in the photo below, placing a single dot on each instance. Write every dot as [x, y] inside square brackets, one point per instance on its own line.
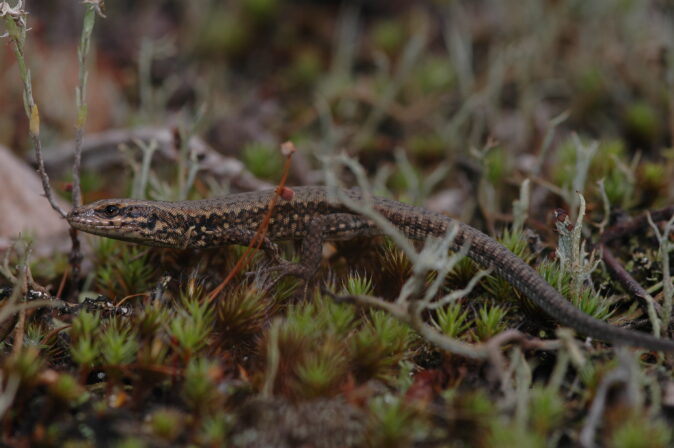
[489, 253]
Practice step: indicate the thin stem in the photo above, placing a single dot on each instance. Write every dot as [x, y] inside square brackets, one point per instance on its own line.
[16, 29]
[80, 99]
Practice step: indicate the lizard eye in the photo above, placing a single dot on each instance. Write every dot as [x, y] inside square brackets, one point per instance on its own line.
[111, 210]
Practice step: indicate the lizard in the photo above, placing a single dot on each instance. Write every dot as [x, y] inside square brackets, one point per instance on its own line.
[310, 215]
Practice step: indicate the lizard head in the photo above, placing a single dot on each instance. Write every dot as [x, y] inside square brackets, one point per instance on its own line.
[122, 219]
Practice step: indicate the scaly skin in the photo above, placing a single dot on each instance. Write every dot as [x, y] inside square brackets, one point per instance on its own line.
[309, 216]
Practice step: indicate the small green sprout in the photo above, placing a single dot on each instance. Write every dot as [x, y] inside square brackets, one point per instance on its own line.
[35, 335]
[588, 301]
[395, 265]
[306, 68]
[167, 423]
[640, 431]
[593, 304]
[392, 333]
[490, 321]
[642, 118]
[301, 321]
[320, 372]
[193, 325]
[388, 35]
[151, 318]
[68, 390]
[263, 160]
[477, 404]
[378, 346]
[505, 433]
[390, 422]
[130, 442]
[84, 325]
[84, 351]
[436, 74]
[653, 175]
[242, 314]
[153, 351]
[118, 344]
[342, 318]
[452, 320]
[214, 430]
[199, 390]
[547, 409]
[261, 10]
[496, 165]
[358, 285]
[122, 267]
[26, 364]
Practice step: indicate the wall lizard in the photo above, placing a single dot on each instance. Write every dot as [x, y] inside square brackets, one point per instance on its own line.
[311, 217]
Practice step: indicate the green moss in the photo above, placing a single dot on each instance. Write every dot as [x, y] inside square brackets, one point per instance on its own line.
[224, 33]
[166, 423]
[652, 180]
[642, 119]
[427, 146]
[84, 325]
[214, 430]
[118, 343]
[306, 68]
[546, 410]
[358, 285]
[435, 74]
[489, 322]
[26, 364]
[192, 325]
[590, 82]
[452, 320]
[609, 163]
[505, 433]
[84, 352]
[378, 346]
[263, 160]
[68, 390]
[391, 423]
[321, 371]
[261, 10]
[641, 432]
[496, 165]
[565, 167]
[130, 442]
[199, 390]
[653, 173]
[242, 314]
[388, 35]
[590, 303]
[122, 268]
[392, 333]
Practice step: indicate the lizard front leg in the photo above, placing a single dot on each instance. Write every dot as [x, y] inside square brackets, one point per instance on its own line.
[338, 226]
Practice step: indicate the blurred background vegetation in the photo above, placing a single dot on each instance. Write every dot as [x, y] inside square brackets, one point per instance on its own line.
[432, 78]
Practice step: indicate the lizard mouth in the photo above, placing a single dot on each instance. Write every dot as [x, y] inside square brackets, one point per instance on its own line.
[87, 223]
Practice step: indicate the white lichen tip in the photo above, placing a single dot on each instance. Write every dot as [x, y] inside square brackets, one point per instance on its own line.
[98, 5]
[15, 11]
